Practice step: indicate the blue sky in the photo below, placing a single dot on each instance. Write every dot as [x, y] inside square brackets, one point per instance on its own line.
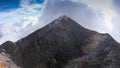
[18, 18]
[6, 5]
[117, 5]
[14, 10]
[9, 4]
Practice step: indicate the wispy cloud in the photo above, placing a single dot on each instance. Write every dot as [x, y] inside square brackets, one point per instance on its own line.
[16, 23]
[97, 15]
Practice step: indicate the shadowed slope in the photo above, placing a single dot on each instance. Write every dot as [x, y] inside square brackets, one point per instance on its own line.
[63, 44]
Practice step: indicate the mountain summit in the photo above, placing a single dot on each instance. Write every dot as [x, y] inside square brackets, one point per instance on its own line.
[64, 44]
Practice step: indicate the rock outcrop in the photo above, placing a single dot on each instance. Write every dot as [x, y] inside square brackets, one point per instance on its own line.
[64, 44]
[6, 62]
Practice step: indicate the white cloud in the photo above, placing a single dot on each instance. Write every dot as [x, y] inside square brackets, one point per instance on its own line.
[93, 14]
[103, 6]
[14, 30]
[107, 8]
[18, 23]
[21, 22]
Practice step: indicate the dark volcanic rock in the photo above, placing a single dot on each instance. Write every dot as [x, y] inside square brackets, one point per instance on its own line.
[64, 44]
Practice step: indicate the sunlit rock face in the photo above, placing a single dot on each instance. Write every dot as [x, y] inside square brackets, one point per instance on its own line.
[6, 62]
[64, 44]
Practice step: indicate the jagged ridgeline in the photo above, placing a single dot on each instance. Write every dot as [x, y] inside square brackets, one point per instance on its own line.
[63, 44]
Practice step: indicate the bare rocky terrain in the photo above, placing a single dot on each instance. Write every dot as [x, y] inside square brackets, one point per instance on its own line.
[8, 63]
[62, 44]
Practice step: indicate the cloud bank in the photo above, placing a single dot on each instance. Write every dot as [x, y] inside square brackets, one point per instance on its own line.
[110, 9]
[20, 22]
[98, 15]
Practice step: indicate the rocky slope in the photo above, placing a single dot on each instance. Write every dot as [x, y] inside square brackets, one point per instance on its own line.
[6, 61]
[64, 44]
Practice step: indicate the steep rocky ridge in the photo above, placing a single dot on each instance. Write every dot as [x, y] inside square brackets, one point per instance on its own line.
[64, 44]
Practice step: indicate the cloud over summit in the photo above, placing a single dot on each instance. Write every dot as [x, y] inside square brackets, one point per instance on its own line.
[96, 15]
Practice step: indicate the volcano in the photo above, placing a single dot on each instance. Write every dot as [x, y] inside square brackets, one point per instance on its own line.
[64, 44]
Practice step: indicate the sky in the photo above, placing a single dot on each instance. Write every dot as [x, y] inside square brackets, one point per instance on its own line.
[18, 18]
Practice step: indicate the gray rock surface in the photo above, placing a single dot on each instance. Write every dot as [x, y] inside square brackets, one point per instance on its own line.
[64, 44]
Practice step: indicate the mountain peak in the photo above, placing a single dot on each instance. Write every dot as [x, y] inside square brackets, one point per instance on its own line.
[62, 43]
[64, 21]
[63, 17]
